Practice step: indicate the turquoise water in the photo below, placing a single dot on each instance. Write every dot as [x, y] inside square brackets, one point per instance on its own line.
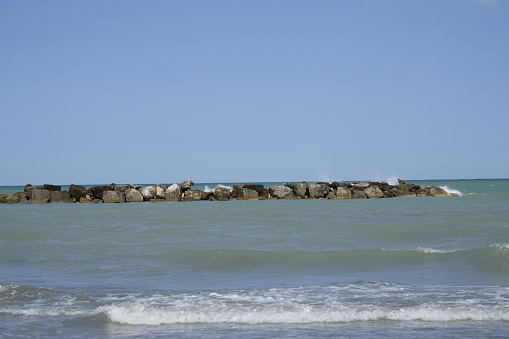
[408, 267]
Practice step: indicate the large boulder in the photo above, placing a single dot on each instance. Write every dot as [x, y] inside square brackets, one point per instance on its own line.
[96, 192]
[39, 196]
[113, 196]
[133, 195]
[433, 191]
[385, 187]
[374, 192]
[259, 188]
[173, 193]
[438, 192]
[15, 197]
[281, 192]
[159, 192]
[408, 187]
[241, 192]
[358, 194]
[343, 192]
[77, 191]
[29, 188]
[195, 195]
[60, 196]
[222, 193]
[186, 185]
[299, 190]
[248, 194]
[318, 190]
[52, 187]
[148, 192]
[3, 198]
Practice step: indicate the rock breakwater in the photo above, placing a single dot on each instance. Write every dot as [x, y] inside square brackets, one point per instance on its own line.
[184, 192]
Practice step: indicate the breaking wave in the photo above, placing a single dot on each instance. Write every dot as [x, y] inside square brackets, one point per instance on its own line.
[278, 314]
[207, 188]
[353, 302]
[451, 190]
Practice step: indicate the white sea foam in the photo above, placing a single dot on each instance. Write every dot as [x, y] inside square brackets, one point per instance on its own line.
[207, 188]
[421, 249]
[432, 250]
[45, 311]
[4, 288]
[451, 190]
[500, 246]
[135, 314]
[392, 180]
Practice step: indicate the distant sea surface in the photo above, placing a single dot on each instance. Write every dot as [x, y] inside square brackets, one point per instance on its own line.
[401, 267]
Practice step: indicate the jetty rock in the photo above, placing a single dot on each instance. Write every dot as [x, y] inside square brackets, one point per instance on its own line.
[148, 192]
[320, 190]
[222, 193]
[299, 190]
[77, 192]
[114, 193]
[281, 192]
[173, 193]
[133, 195]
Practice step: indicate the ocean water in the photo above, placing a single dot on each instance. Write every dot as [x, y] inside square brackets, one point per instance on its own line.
[406, 267]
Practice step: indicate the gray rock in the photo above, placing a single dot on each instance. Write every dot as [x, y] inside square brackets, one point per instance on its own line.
[299, 190]
[29, 189]
[281, 192]
[60, 196]
[343, 193]
[318, 190]
[52, 187]
[39, 196]
[259, 188]
[186, 185]
[133, 195]
[374, 192]
[358, 194]
[408, 187]
[159, 192]
[194, 195]
[433, 191]
[96, 192]
[148, 192]
[15, 197]
[77, 191]
[243, 193]
[113, 197]
[173, 193]
[222, 193]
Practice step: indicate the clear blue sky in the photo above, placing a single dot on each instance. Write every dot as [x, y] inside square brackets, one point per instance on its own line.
[252, 90]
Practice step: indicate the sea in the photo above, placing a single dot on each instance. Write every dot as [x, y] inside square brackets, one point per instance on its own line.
[407, 267]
